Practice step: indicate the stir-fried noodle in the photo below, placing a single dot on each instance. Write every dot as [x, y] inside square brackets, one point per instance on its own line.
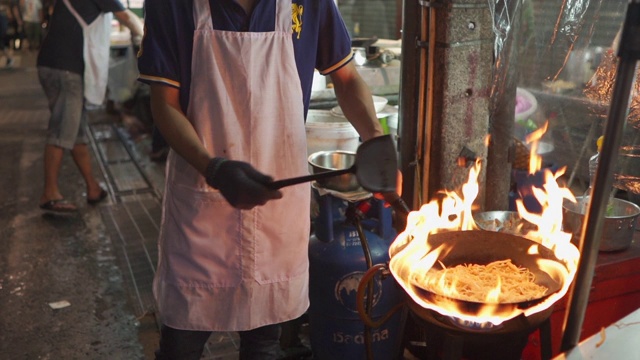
[473, 282]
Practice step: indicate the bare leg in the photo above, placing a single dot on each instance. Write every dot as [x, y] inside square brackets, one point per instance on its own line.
[52, 162]
[82, 158]
[8, 53]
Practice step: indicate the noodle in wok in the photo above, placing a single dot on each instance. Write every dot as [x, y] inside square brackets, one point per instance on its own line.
[473, 282]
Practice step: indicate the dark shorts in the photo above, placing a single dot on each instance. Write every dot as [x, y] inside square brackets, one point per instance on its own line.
[64, 91]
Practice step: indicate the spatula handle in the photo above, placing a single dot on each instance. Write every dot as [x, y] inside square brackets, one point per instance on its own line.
[301, 179]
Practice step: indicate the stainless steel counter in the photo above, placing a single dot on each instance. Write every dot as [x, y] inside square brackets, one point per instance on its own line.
[620, 340]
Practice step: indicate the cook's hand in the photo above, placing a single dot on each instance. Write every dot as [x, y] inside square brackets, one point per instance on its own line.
[240, 183]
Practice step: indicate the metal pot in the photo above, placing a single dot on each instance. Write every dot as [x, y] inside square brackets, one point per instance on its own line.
[323, 161]
[619, 223]
[502, 221]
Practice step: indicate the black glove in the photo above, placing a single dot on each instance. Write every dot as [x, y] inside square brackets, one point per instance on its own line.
[240, 183]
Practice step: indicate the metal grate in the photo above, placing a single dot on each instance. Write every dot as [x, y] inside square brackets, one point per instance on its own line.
[113, 150]
[127, 179]
[115, 153]
[134, 228]
[133, 222]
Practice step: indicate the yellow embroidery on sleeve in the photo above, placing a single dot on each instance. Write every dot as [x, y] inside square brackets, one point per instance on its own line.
[296, 16]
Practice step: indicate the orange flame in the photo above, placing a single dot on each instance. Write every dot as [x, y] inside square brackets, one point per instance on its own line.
[535, 161]
[412, 253]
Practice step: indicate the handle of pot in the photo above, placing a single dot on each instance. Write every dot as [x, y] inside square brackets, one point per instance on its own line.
[302, 179]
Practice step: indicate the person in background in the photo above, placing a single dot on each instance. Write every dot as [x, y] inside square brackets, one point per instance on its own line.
[32, 17]
[8, 11]
[72, 78]
[230, 87]
[47, 6]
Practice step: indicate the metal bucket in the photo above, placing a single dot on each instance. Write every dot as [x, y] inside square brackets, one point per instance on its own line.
[323, 161]
[619, 223]
[508, 222]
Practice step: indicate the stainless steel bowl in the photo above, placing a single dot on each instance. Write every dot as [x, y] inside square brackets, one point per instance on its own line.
[502, 221]
[619, 223]
[323, 161]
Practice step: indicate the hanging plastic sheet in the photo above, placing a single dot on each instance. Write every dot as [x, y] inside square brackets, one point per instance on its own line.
[563, 53]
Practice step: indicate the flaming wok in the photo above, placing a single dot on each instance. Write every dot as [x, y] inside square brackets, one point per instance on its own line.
[483, 247]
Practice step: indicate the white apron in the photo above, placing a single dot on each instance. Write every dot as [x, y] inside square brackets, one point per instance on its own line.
[97, 38]
[223, 269]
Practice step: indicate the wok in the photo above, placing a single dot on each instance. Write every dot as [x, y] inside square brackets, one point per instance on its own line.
[483, 247]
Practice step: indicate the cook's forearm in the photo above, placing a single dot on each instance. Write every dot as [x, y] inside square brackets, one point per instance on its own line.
[176, 128]
[354, 98]
[358, 108]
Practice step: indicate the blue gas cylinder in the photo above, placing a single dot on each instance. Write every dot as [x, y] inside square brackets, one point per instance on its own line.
[337, 263]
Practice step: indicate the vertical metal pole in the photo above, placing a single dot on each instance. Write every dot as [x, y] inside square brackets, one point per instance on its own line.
[629, 54]
[409, 101]
[428, 31]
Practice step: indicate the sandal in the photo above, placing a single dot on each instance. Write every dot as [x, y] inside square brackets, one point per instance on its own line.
[102, 196]
[59, 206]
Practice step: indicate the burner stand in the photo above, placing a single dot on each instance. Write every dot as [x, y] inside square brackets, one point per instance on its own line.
[450, 339]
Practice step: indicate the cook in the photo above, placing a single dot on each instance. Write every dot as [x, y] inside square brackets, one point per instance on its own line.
[230, 87]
